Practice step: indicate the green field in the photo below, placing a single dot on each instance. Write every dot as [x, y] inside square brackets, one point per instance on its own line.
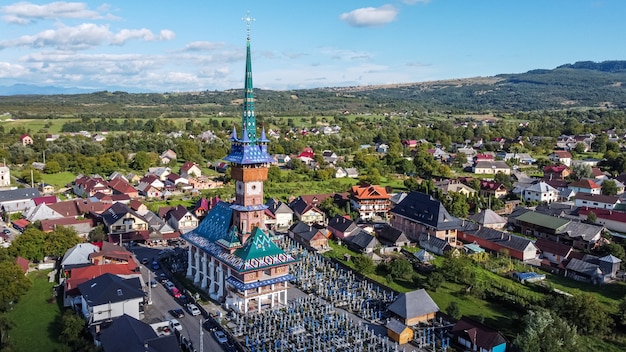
[58, 180]
[37, 317]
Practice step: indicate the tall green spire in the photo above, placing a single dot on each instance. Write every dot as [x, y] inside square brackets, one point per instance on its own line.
[249, 117]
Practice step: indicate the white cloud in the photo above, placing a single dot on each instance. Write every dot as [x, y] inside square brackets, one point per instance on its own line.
[370, 16]
[83, 36]
[8, 69]
[125, 35]
[343, 54]
[27, 12]
[202, 46]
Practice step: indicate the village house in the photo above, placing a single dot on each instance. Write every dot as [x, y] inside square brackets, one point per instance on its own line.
[85, 186]
[167, 156]
[181, 220]
[491, 167]
[119, 185]
[419, 213]
[283, 215]
[578, 234]
[391, 237]
[452, 185]
[190, 169]
[26, 140]
[611, 219]
[311, 236]
[124, 224]
[109, 296]
[561, 157]
[492, 189]
[362, 242]
[17, 200]
[489, 218]
[370, 201]
[132, 335]
[556, 172]
[540, 192]
[475, 336]
[596, 200]
[517, 247]
[341, 227]
[585, 186]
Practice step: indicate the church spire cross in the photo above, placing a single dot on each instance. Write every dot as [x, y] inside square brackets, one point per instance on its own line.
[248, 21]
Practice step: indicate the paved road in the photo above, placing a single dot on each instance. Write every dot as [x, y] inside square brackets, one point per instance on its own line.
[162, 302]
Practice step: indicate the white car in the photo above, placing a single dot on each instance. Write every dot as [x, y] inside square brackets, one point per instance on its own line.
[193, 309]
[175, 325]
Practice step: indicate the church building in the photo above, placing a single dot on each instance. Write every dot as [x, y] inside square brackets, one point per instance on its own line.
[231, 254]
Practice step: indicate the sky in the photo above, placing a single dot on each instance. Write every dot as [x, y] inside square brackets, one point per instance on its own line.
[168, 46]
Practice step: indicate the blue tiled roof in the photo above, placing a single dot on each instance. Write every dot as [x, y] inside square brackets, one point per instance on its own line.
[256, 284]
[244, 154]
[240, 207]
[216, 224]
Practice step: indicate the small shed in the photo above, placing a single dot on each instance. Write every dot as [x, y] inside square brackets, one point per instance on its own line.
[399, 332]
[423, 256]
[414, 307]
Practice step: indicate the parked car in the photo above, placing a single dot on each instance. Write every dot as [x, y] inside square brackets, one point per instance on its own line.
[144, 261]
[175, 292]
[210, 325]
[175, 325]
[220, 336]
[177, 313]
[155, 265]
[169, 285]
[6, 231]
[153, 283]
[193, 309]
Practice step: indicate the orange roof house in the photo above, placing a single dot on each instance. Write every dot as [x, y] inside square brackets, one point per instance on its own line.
[370, 201]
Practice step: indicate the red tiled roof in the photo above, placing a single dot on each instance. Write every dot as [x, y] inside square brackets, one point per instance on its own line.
[369, 192]
[562, 154]
[45, 200]
[119, 185]
[585, 183]
[556, 169]
[21, 223]
[604, 214]
[50, 225]
[23, 263]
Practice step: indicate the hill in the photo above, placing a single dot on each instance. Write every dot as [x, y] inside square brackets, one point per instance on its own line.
[582, 84]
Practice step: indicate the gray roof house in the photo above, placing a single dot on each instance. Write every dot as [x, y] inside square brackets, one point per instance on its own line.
[390, 236]
[414, 307]
[420, 213]
[132, 335]
[78, 256]
[363, 242]
[17, 200]
[109, 296]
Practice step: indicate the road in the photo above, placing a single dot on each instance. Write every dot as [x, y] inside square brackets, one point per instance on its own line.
[162, 302]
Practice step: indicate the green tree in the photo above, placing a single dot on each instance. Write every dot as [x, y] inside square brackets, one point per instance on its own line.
[453, 310]
[401, 268]
[592, 217]
[582, 171]
[52, 167]
[435, 280]
[31, 244]
[13, 284]
[545, 331]
[363, 264]
[329, 207]
[274, 174]
[609, 188]
[621, 313]
[31, 176]
[98, 234]
[585, 312]
[60, 240]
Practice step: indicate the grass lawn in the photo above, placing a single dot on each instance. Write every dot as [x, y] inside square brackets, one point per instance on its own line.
[37, 317]
[58, 180]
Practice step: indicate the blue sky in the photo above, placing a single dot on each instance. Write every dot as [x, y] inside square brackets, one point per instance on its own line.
[163, 46]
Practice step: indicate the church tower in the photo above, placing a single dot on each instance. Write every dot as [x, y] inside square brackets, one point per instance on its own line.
[249, 160]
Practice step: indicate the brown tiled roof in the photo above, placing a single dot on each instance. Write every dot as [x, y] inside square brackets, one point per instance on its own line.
[78, 207]
[548, 246]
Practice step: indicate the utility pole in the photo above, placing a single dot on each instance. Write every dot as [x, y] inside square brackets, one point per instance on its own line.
[201, 336]
[149, 286]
